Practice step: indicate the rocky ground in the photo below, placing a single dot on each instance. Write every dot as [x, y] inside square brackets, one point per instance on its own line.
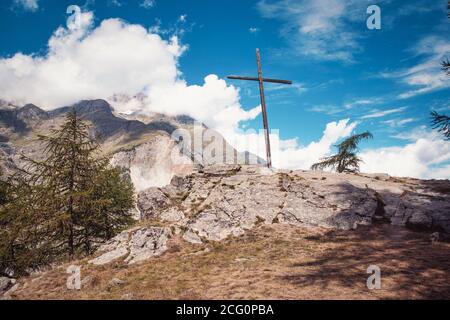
[250, 232]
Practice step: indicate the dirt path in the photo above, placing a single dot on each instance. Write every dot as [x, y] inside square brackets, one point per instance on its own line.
[270, 262]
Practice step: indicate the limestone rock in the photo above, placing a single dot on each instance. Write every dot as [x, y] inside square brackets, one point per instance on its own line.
[116, 282]
[134, 245]
[146, 243]
[151, 201]
[127, 296]
[220, 201]
[4, 283]
[11, 291]
[192, 237]
[114, 249]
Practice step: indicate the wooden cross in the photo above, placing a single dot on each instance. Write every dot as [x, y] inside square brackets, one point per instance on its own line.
[261, 81]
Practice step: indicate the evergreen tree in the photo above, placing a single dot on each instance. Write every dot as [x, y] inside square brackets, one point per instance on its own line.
[446, 66]
[3, 188]
[108, 211]
[441, 122]
[25, 229]
[346, 159]
[63, 205]
[67, 175]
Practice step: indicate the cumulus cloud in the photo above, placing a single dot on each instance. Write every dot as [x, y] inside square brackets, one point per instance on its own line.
[294, 156]
[90, 63]
[29, 5]
[426, 155]
[117, 58]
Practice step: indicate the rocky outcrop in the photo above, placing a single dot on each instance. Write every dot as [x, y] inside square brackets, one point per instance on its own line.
[7, 287]
[4, 283]
[133, 245]
[222, 201]
[153, 163]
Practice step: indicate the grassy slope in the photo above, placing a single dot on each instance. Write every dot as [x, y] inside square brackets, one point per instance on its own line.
[270, 262]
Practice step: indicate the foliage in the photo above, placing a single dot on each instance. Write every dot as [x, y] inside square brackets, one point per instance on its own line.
[3, 188]
[441, 122]
[346, 159]
[63, 205]
[446, 66]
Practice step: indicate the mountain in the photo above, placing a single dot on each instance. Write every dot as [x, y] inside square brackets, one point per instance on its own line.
[140, 143]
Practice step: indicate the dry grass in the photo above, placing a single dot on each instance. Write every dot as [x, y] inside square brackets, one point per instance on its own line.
[271, 262]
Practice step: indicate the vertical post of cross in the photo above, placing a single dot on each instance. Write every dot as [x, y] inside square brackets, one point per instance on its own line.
[264, 110]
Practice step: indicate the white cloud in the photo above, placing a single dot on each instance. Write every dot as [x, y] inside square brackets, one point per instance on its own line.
[382, 113]
[362, 102]
[118, 58]
[253, 30]
[147, 4]
[425, 156]
[321, 29]
[294, 156]
[427, 75]
[30, 5]
[397, 123]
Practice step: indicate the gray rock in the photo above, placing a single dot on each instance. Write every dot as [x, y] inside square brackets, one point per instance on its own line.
[152, 201]
[146, 243]
[127, 296]
[11, 291]
[114, 249]
[192, 237]
[4, 283]
[222, 201]
[134, 245]
[116, 282]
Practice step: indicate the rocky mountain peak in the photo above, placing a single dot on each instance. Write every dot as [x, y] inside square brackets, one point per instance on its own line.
[31, 112]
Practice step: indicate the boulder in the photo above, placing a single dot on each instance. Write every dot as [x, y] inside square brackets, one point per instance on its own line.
[4, 283]
[134, 245]
[152, 201]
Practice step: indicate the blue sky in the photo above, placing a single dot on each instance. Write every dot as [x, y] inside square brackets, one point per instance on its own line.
[385, 81]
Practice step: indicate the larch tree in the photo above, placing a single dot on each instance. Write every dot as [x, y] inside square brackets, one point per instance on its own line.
[65, 204]
[346, 159]
[441, 122]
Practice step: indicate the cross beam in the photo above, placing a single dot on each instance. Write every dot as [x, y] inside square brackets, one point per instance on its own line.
[261, 81]
[264, 79]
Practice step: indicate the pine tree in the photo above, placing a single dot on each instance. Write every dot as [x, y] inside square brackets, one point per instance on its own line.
[441, 122]
[346, 159]
[446, 66]
[108, 211]
[67, 175]
[64, 205]
[25, 229]
[3, 188]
